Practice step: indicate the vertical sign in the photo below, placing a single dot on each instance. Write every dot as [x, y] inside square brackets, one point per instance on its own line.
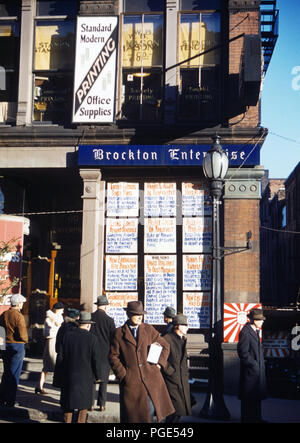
[95, 69]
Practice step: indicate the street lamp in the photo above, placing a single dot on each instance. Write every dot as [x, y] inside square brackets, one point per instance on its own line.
[215, 166]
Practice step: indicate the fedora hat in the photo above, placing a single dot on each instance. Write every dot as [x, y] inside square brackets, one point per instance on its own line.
[135, 308]
[101, 300]
[85, 318]
[169, 312]
[180, 319]
[256, 314]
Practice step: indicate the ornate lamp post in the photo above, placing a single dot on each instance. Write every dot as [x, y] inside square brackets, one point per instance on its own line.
[215, 166]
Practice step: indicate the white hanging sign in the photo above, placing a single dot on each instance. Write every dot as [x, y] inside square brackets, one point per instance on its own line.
[95, 69]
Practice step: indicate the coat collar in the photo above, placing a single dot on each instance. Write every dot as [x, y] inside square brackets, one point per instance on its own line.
[127, 334]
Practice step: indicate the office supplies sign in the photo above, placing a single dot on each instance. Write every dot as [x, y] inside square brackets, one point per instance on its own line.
[95, 69]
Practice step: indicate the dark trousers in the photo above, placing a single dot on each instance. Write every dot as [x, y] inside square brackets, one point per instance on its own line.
[251, 411]
[13, 358]
[102, 394]
[173, 418]
[81, 416]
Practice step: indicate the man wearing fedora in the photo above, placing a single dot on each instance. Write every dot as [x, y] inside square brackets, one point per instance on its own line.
[176, 373]
[252, 385]
[104, 329]
[169, 313]
[143, 392]
[79, 369]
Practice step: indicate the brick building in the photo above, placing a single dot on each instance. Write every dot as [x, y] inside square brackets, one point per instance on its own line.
[104, 128]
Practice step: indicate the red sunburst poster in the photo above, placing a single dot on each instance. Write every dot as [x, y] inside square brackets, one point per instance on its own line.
[235, 317]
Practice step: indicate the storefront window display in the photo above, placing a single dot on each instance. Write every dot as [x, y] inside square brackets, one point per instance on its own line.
[9, 59]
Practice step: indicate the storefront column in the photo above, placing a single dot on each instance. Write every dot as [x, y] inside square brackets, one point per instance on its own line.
[26, 53]
[91, 257]
[242, 195]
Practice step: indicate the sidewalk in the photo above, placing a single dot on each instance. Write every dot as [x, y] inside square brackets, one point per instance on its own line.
[34, 408]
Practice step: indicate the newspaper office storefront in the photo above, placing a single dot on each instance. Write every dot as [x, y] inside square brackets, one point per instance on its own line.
[147, 229]
[147, 84]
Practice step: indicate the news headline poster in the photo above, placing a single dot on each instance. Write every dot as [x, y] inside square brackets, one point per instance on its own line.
[121, 235]
[196, 234]
[196, 272]
[235, 317]
[160, 286]
[196, 306]
[95, 69]
[195, 199]
[122, 199]
[160, 235]
[117, 302]
[121, 272]
[160, 199]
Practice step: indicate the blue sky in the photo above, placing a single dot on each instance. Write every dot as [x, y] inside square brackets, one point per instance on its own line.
[281, 96]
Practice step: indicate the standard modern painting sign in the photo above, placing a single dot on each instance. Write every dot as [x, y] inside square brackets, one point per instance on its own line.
[95, 69]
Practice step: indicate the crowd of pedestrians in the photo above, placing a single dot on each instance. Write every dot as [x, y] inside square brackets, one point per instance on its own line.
[151, 367]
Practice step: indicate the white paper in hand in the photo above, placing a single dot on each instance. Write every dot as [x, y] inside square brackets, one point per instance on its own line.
[154, 353]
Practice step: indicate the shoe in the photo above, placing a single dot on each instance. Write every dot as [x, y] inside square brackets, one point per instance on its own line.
[40, 391]
[102, 408]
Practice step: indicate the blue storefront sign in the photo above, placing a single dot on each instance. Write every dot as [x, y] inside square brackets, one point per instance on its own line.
[163, 155]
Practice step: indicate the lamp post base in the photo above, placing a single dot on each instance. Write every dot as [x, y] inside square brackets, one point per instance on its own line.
[214, 408]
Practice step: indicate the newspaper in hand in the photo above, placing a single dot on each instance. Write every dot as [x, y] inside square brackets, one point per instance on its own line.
[154, 353]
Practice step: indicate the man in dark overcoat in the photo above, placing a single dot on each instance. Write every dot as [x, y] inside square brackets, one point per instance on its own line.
[104, 329]
[79, 369]
[175, 372]
[252, 385]
[143, 391]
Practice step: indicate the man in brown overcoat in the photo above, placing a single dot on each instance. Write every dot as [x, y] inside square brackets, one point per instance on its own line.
[142, 387]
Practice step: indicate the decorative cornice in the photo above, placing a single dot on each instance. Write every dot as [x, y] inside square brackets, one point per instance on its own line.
[104, 7]
[243, 183]
[245, 5]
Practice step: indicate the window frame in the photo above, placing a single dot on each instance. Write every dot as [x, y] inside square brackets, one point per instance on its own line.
[154, 68]
[67, 121]
[216, 67]
[12, 71]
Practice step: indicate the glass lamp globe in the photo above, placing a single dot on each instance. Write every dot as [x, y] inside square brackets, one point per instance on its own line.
[215, 163]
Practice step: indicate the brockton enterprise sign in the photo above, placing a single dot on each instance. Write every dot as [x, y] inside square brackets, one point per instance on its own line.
[162, 155]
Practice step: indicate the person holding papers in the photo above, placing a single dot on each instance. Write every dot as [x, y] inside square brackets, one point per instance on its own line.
[175, 371]
[137, 354]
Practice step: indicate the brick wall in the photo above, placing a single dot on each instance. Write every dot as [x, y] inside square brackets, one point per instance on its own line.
[240, 114]
[241, 270]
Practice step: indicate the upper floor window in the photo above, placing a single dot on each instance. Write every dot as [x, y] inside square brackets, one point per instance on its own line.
[199, 60]
[9, 59]
[53, 66]
[142, 67]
